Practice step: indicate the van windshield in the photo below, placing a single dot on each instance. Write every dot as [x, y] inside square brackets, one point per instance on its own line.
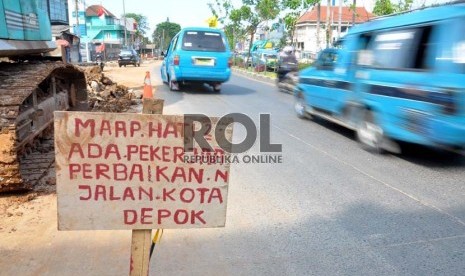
[203, 41]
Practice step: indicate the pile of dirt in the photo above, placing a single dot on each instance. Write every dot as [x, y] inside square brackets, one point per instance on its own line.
[104, 95]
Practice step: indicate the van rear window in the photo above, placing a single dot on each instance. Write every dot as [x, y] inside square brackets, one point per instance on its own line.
[203, 41]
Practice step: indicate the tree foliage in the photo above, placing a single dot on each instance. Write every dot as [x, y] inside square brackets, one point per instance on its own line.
[221, 9]
[142, 23]
[164, 32]
[295, 9]
[252, 13]
[386, 7]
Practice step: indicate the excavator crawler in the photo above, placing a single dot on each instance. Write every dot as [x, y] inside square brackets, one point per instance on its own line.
[29, 94]
[31, 87]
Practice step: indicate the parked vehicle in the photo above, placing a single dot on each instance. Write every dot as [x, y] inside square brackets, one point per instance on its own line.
[396, 78]
[127, 57]
[197, 55]
[266, 57]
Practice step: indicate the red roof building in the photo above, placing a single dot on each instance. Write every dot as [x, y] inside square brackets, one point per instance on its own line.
[305, 37]
[361, 15]
[97, 10]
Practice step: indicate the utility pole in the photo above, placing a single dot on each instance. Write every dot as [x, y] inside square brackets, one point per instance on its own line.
[163, 39]
[318, 20]
[125, 27]
[328, 23]
[339, 20]
[76, 8]
[353, 12]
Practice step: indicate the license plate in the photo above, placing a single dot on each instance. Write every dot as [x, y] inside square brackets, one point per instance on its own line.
[204, 62]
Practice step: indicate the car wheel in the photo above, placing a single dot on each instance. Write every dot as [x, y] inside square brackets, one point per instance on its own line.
[300, 106]
[217, 88]
[173, 86]
[120, 65]
[369, 134]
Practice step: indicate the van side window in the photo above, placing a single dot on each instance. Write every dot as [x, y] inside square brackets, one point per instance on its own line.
[426, 49]
[408, 49]
[175, 43]
[393, 49]
[458, 45]
[364, 56]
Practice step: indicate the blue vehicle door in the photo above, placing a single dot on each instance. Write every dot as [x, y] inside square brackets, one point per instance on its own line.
[321, 82]
[168, 60]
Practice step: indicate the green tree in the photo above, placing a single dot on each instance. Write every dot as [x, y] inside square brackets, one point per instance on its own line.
[252, 13]
[164, 32]
[222, 9]
[386, 7]
[234, 33]
[146, 40]
[404, 5]
[383, 7]
[295, 9]
[142, 23]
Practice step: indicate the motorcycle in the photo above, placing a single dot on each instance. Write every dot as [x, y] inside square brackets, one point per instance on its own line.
[99, 61]
[287, 77]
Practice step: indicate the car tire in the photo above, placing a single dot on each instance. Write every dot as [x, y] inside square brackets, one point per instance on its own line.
[120, 65]
[300, 106]
[369, 134]
[217, 88]
[172, 86]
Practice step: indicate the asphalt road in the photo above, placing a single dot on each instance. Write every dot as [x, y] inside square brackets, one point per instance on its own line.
[330, 208]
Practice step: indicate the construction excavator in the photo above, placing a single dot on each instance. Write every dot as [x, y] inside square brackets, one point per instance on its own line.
[32, 87]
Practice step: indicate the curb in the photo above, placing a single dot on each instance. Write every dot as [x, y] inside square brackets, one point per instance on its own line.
[254, 75]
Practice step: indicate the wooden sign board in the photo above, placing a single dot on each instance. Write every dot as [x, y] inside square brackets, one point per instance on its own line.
[128, 171]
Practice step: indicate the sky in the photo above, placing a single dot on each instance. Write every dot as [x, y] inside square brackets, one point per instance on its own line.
[184, 12]
[187, 13]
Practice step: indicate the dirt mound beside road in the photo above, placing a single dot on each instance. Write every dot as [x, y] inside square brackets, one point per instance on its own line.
[104, 95]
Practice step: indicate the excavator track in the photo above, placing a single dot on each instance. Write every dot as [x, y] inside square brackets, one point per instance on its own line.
[29, 94]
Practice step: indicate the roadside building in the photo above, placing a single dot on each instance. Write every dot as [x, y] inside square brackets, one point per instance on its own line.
[102, 32]
[58, 13]
[305, 38]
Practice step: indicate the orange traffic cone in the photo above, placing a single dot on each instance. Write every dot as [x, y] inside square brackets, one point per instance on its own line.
[148, 93]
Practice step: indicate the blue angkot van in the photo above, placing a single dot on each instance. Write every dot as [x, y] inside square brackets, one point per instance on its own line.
[397, 78]
[199, 55]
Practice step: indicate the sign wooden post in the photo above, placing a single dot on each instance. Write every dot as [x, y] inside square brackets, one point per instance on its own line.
[140, 252]
[141, 239]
